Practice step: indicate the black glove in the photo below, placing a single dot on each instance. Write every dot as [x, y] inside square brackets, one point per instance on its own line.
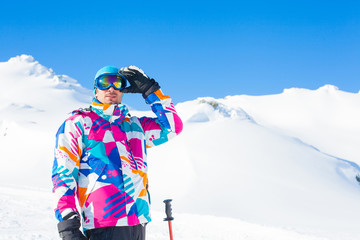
[139, 81]
[69, 229]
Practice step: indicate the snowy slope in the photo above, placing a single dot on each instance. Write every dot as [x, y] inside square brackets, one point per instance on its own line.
[232, 166]
[271, 167]
[20, 222]
[327, 118]
[33, 104]
[30, 90]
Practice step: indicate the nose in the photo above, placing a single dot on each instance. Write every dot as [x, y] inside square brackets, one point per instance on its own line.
[111, 89]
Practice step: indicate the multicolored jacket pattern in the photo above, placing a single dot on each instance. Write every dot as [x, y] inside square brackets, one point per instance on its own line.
[100, 159]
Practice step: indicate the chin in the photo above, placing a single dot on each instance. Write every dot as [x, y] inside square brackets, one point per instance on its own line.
[114, 102]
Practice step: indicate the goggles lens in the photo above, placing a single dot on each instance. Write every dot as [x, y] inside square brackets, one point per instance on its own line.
[107, 81]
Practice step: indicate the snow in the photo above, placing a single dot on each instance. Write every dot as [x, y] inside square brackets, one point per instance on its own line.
[22, 222]
[277, 166]
[326, 118]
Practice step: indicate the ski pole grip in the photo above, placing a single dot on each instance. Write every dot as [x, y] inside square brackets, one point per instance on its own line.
[168, 210]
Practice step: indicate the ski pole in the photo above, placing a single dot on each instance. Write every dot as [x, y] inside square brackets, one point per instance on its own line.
[168, 218]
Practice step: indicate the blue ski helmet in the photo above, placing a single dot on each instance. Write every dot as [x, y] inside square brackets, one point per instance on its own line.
[107, 70]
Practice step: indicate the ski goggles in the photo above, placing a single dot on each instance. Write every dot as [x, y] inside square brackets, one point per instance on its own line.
[106, 81]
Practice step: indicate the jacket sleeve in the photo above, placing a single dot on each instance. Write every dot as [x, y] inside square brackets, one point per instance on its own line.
[68, 150]
[167, 124]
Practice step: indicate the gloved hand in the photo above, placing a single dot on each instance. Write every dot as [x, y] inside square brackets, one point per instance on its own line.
[139, 81]
[69, 229]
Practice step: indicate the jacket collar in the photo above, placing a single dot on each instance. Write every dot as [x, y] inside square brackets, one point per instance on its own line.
[110, 112]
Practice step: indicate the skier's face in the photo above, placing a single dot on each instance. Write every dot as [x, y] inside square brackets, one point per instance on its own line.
[109, 96]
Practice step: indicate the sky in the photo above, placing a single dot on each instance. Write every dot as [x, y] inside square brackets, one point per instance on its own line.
[192, 48]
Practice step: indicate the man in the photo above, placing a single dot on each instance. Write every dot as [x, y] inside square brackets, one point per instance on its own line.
[100, 158]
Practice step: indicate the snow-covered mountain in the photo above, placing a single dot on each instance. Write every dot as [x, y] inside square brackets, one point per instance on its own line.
[273, 167]
[33, 103]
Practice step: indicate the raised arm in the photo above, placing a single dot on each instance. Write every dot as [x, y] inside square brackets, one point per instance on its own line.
[167, 124]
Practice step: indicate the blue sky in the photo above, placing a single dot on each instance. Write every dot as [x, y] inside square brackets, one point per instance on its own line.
[192, 48]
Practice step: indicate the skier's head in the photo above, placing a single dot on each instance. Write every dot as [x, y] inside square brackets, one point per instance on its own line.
[107, 85]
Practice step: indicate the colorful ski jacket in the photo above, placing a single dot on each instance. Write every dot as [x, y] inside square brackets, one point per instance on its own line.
[100, 159]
